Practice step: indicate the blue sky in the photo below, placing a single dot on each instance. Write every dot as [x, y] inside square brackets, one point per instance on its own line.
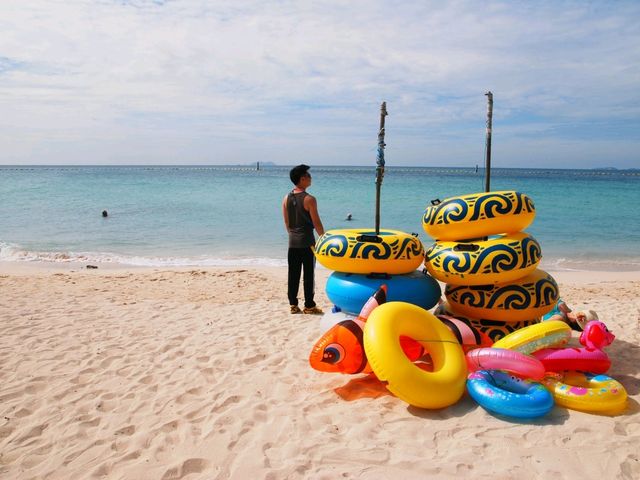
[205, 82]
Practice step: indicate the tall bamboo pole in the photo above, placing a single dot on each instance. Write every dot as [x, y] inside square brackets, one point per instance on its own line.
[487, 171]
[380, 163]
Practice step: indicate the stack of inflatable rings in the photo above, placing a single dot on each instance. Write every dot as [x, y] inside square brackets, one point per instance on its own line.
[489, 264]
[362, 261]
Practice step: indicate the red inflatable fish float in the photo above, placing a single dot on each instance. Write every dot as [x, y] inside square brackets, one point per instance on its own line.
[341, 348]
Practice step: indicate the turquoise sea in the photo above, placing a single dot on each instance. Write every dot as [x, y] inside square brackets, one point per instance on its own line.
[231, 215]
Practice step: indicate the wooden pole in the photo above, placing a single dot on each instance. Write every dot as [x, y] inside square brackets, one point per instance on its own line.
[487, 171]
[380, 163]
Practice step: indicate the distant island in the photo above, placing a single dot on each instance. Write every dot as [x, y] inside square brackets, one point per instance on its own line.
[259, 165]
[615, 169]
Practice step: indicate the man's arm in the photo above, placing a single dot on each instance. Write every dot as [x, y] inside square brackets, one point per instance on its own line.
[285, 214]
[311, 205]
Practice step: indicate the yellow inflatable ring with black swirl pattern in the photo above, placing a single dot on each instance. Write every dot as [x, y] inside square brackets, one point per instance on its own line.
[497, 260]
[477, 215]
[362, 251]
[521, 299]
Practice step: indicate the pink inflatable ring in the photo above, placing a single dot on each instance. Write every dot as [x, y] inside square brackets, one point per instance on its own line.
[512, 361]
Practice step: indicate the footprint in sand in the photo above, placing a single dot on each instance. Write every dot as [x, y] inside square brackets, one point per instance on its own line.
[132, 456]
[228, 401]
[23, 412]
[189, 466]
[35, 387]
[170, 426]
[254, 359]
[266, 462]
[5, 431]
[106, 363]
[90, 423]
[186, 396]
[105, 405]
[128, 431]
[31, 434]
[196, 416]
[103, 470]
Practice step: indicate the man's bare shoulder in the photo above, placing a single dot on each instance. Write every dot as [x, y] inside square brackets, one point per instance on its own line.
[309, 199]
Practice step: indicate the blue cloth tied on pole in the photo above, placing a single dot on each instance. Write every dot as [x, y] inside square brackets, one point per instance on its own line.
[380, 156]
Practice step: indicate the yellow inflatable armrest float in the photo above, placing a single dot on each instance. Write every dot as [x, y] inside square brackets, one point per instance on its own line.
[483, 262]
[527, 340]
[362, 251]
[478, 215]
[522, 299]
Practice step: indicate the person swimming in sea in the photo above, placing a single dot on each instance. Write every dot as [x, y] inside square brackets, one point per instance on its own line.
[349, 217]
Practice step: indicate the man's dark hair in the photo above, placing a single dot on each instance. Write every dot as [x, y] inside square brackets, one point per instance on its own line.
[298, 172]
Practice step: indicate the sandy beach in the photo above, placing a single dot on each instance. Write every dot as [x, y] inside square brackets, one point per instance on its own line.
[203, 374]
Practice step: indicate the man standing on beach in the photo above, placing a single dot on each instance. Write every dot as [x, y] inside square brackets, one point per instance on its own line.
[300, 213]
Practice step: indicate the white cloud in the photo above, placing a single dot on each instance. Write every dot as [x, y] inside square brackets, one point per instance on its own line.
[217, 82]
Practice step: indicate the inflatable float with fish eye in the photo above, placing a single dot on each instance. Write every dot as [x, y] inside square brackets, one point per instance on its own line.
[496, 260]
[341, 347]
[478, 215]
[362, 251]
[522, 299]
[437, 389]
[350, 291]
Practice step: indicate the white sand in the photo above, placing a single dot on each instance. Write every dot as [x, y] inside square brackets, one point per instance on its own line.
[148, 374]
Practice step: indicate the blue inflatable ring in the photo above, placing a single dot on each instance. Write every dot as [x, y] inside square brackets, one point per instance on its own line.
[350, 291]
[505, 394]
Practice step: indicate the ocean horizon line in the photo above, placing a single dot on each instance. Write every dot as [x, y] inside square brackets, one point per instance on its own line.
[270, 165]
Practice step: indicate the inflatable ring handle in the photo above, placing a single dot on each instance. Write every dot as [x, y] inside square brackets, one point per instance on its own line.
[379, 276]
[369, 238]
[466, 247]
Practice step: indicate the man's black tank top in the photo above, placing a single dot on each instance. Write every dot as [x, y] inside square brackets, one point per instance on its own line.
[300, 223]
